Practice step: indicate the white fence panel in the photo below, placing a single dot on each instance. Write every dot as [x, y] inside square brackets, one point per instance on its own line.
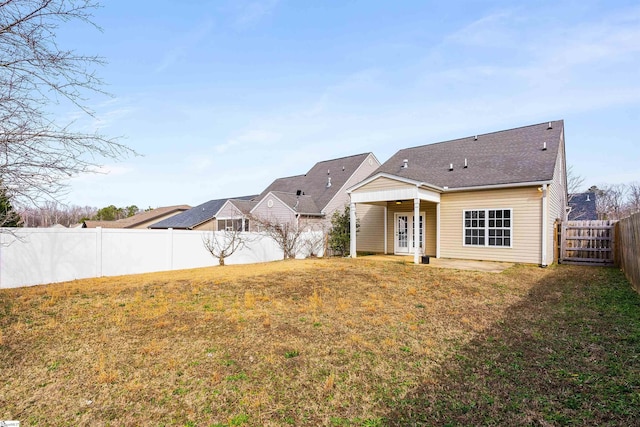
[32, 256]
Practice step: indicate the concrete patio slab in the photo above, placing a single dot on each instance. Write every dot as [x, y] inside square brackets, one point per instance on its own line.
[458, 264]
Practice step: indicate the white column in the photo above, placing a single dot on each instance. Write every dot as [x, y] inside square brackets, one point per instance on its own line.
[385, 228]
[352, 229]
[437, 230]
[416, 230]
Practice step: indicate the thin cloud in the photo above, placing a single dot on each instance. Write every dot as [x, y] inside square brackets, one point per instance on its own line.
[253, 12]
[184, 44]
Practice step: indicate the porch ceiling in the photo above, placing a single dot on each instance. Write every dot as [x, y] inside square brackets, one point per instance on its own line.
[391, 194]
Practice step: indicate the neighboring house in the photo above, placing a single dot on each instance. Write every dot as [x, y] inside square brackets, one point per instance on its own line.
[140, 220]
[201, 217]
[487, 197]
[311, 199]
[582, 207]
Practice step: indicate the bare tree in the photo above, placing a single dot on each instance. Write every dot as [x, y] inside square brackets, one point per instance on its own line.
[38, 153]
[574, 182]
[286, 234]
[633, 203]
[610, 200]
[223, 244]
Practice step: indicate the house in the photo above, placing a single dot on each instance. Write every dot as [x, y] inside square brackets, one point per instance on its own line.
[201, 217]
[140, 220]
[490, 197]
[582, 207]
[310, 200]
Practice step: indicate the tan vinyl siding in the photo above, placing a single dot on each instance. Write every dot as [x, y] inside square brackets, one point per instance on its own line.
[370, 237]
[429, 210]
[383, 183]
[526, 204]
[279, 212]
[557, 197]
[209, 225]
[229, 211]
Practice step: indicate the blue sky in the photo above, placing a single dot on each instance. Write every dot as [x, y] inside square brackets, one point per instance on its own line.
[222, 97]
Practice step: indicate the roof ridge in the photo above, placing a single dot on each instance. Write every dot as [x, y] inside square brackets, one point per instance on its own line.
[481, 134]
[343, 157]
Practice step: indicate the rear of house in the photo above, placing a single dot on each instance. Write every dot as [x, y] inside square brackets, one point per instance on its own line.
[486, 197]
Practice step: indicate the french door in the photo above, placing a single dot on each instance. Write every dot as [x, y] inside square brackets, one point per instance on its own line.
[404, 233]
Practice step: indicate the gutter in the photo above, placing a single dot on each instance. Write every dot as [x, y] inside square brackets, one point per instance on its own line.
[498, 186]
[543, 249]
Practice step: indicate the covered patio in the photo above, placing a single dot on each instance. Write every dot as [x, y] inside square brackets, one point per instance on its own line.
[411, 219]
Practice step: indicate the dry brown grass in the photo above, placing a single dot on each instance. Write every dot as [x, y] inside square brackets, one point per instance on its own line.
[298, 342]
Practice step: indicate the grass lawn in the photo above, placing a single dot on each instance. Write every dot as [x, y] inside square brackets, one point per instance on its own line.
[324, 342]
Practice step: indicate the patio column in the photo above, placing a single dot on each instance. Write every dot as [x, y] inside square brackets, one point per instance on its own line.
[352, 230]
[416, 230]
[385, 228]
[438, 230]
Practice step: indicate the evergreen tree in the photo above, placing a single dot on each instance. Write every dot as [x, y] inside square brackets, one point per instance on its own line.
[340, 233]
[8, 216]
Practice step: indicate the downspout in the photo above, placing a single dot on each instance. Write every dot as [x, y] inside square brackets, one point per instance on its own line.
[543, 249]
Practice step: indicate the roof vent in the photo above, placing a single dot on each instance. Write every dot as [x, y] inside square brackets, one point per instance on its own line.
[405, 163]
[549, 126]
[328, 171]
[544, 146]
[328, 182]
[298, 193]
[588, 200]
[450, 166]
[343, 169]
[475, 138]
[466, 165]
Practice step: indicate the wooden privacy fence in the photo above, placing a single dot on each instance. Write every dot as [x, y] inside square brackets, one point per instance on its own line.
[587, 242]
[628, 247]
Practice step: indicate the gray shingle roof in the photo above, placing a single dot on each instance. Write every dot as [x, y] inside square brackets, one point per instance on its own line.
[314, 182]
[583, 207]
[505, 157]
[196, 215]
[138, 218]
[304, 205]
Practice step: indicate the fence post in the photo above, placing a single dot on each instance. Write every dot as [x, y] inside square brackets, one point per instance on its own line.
[170, 248]
[98, 231]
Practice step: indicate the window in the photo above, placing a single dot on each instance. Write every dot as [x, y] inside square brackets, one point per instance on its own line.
[232, 225]
[488, 227]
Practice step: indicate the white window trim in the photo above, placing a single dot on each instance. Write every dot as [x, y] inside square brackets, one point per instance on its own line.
[486, 228]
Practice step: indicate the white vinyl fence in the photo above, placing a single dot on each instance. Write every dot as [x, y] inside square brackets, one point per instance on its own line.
[33, 256]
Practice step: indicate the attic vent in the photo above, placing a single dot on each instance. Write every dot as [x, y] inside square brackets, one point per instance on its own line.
[466, 165]
[450, 166]
[405, 163]
[544, 146]
[475, 138]
[549, 126]
[328, 182]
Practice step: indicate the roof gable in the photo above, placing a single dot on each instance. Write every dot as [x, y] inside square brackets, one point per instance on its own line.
[315, 183]
[526, 154]
[196, 215]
